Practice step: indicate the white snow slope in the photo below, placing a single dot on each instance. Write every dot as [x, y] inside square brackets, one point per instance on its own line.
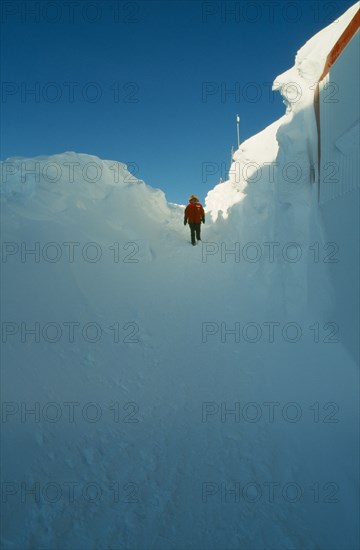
[133, 418]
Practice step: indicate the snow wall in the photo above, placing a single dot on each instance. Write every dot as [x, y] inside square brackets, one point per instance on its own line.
[136, 414]
[277, 172]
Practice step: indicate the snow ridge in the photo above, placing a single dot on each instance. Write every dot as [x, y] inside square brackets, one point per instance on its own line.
[107, 304]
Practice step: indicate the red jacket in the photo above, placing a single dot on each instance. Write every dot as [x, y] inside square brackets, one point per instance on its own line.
[194, 213]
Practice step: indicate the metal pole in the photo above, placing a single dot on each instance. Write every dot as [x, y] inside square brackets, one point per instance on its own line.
[238, 129]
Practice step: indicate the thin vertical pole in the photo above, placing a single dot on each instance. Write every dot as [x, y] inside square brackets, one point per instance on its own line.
[238, 129]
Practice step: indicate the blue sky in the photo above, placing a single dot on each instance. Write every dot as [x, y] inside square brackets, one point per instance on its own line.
[148, 82]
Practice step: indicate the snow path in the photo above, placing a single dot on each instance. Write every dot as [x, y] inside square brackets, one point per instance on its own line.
[175, 466]
[170, 373]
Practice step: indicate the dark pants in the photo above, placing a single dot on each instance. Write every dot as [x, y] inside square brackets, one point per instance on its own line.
[195, 230]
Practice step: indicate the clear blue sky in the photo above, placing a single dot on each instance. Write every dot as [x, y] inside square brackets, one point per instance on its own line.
[149, 80]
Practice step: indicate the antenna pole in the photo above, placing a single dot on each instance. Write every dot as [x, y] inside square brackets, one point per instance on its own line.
[238, 129]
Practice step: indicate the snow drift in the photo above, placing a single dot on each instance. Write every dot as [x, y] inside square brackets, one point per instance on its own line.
[161, 396]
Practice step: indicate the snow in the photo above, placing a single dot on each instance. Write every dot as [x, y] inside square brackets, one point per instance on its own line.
[145, 406]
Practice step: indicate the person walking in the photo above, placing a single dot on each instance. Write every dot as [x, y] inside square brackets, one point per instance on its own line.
[194, 215]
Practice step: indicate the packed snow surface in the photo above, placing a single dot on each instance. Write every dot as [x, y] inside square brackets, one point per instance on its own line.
[170, 396]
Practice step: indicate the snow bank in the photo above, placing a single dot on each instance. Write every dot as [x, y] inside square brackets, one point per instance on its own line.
[276, 169]
[291, 139]
[140, 372]
[252, 166]
[75, 189]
